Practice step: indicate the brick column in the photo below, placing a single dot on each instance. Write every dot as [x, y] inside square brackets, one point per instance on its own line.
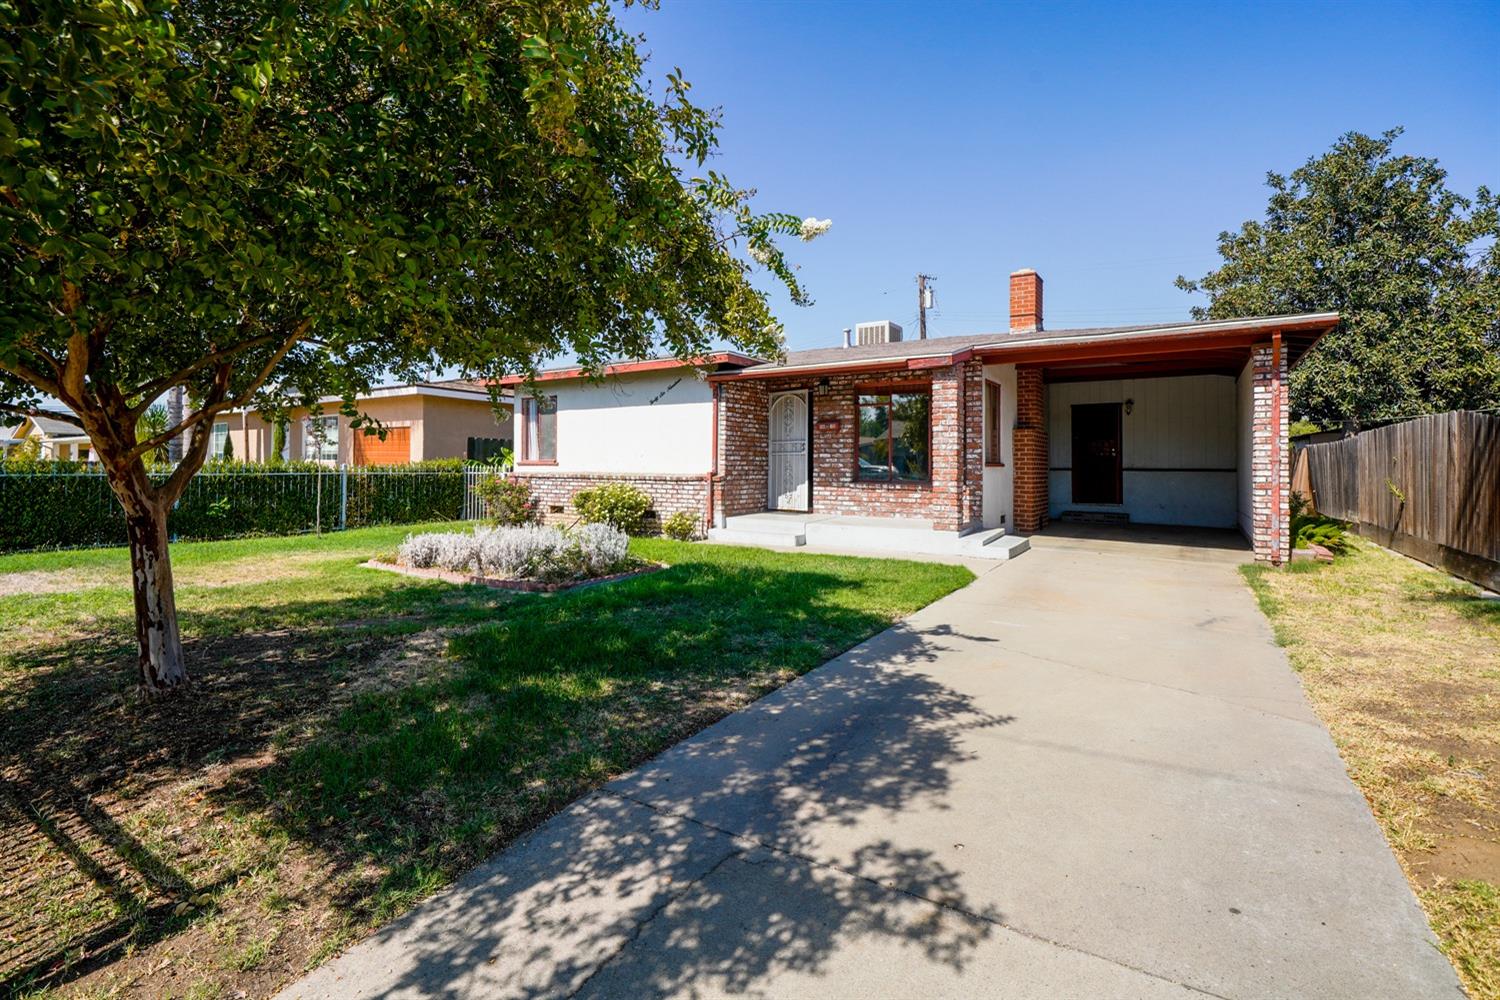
[1270, 462]
[947, 452]
[1030, 445]
[971, 508]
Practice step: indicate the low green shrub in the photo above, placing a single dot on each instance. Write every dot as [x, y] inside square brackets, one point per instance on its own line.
[1315, 529]
[508, 500]
[618, 504]
[682, 526]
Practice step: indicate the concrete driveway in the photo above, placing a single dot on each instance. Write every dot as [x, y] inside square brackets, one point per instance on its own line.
[1091, 773]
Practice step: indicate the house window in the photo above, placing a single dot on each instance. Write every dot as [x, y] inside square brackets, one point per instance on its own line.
[992, 436]
[539, 429]
[217, 440]
[895, 436]
[320, 439]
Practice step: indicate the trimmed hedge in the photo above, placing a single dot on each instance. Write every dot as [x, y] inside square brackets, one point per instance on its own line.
[48, 505]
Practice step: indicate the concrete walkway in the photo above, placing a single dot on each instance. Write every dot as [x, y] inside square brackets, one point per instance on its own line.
[1091, 773]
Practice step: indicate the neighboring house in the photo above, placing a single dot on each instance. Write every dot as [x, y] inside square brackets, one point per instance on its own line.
[421, 421]
[966, 437]
[10, 437]
[57, 440]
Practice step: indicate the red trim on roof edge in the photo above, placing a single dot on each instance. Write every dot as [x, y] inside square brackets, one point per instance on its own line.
[631, 367]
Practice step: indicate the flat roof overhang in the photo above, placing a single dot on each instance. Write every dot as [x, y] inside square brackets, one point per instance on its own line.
[1220, 346]
[713, 360]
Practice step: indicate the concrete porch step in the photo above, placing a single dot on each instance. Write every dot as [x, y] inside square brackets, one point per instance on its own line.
[788, 536]
[876, 535]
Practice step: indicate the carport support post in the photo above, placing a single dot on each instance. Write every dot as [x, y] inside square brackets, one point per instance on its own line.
[1270, 472]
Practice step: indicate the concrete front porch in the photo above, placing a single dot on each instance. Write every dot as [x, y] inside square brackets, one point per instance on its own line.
[875, 535]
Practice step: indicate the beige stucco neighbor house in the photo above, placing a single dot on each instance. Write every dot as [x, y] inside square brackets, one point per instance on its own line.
[422, 421]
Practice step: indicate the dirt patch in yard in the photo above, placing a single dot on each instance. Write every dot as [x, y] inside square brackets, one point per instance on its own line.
[1403, 664]
[132, 852]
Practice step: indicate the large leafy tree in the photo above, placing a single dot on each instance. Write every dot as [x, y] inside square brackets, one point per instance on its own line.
[1412, 267]
[267, 203]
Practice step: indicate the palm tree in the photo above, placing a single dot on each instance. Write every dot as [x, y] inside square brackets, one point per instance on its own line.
[152, 423]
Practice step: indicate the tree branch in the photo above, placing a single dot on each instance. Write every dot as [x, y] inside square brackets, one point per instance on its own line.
[149, 392]
[215, 406]
[33, 411]
[31, 377]
[197, 449]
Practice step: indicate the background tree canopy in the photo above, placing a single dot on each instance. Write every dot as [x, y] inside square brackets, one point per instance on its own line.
[269, 203]
[1413, 268]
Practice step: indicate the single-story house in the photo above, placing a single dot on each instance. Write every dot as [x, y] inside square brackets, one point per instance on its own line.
[954, 442]
[421, 420]
[57, 440]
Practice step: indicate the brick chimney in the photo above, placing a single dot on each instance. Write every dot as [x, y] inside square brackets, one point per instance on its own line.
[1025, 301]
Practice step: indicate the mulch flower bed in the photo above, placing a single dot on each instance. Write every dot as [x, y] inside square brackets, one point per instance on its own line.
[524, 586]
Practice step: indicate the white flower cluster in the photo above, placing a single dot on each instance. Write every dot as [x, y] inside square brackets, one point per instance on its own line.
[760, 254]
[528, 552]
[813, 228]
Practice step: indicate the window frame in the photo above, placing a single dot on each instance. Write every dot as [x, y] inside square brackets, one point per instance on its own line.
[530, 412]
[994, 424]
[217, 441]
[309, 439]
[892, 390]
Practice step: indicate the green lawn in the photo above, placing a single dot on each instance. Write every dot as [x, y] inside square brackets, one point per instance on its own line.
[354, 738]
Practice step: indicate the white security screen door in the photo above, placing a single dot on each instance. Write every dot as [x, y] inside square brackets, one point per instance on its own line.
[788, 465]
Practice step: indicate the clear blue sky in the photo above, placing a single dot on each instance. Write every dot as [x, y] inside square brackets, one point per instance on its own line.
[1106, 146]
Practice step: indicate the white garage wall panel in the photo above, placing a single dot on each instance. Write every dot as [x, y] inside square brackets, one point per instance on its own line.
[657, 422]
[1178, 448]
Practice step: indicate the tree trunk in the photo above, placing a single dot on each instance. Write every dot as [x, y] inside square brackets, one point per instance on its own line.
[161, 663]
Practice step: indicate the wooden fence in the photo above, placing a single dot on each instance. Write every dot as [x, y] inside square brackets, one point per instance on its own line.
[1429, 488]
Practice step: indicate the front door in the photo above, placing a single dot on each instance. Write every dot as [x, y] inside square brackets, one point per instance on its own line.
[1096, 453]
[787, 489]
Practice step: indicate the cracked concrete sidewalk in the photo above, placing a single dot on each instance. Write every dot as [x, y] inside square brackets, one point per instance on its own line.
[1090, 773]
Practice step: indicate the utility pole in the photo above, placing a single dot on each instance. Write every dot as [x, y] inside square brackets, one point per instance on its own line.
[924, 302]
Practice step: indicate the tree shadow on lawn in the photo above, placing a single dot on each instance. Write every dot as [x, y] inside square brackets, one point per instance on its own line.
[397, 787]
[85, 760]
[727, 864]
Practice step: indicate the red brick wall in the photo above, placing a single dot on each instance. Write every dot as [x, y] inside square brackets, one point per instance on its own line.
[1270, 458]
[1025, 301]
[669, 494]
[951, 500]
[740, 487]
[1030, 446]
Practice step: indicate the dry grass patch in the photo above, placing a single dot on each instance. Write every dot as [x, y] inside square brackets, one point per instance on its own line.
[1403, 664]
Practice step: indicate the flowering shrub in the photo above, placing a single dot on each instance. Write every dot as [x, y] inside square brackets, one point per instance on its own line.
[682, 526]
[618, 504]
[508, 500]
[521, 552]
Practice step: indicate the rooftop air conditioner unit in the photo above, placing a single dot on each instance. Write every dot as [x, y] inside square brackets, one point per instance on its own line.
[883, 332]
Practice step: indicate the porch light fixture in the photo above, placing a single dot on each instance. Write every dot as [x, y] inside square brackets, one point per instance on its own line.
[1129, 405]
[822, 387]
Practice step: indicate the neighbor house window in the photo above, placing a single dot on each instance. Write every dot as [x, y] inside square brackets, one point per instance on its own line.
[992, 438]
[320, 439]
[895, 439]
[539, 429]
[217, 440]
